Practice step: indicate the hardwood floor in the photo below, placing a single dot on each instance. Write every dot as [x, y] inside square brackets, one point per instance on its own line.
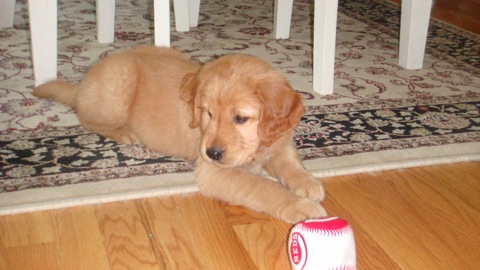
[419, 218]
[461, 13]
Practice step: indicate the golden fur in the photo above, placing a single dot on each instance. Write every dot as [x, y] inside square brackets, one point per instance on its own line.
[234, 116]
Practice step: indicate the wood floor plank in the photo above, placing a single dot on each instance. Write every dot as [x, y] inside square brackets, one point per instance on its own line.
[402, 208]
[34, 256]
[170, 234]
[461, 13]
[27, 241]
[33, 228]
[264, 244]
[125, 239]
[450, 215]
[264, 238]
[211, 226]
[193, 233]
[4, 262]
[79, 242]
[370, 255]
[464, 182]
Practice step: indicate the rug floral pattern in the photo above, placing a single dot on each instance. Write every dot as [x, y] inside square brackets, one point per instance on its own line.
[377, 105]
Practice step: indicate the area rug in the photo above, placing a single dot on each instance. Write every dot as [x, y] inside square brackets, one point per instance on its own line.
[380, 116]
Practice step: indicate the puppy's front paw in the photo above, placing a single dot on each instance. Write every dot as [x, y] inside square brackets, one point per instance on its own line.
[302, 209]
[310, 188]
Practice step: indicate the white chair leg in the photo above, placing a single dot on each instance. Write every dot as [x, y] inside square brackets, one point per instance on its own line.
[413, 32]
[161, 17]
[7, 12]
[324, 34]
[193, 11]
[43, 30]
[105, 21]
[180, 8]
[282, 18]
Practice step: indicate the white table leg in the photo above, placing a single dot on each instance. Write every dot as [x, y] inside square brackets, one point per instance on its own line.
[413, 32]
[43, 30]
[193, 11]
[180, 8]
[161, 18]
[7, 12]
[105, 21]
[282, 18]
[324, 35]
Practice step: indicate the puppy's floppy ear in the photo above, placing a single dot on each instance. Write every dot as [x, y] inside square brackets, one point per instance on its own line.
[189, 95]
[282, 108]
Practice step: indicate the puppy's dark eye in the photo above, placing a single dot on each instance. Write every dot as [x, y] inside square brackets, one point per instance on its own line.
[240, 119]
[210, 115]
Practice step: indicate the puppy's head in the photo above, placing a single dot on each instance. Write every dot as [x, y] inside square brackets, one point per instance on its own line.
[240, 103]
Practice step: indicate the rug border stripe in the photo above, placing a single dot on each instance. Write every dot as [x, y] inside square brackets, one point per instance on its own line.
[184, 183]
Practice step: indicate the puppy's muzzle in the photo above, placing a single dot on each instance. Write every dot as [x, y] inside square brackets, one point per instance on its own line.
[214, 153]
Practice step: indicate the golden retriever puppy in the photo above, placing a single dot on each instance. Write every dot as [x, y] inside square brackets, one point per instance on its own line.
[233, 116]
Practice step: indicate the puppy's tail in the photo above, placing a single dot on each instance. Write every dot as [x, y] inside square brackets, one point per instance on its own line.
[60, 91]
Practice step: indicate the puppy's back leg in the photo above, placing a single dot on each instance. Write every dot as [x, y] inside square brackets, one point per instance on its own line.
[60, 91]
[106, 95]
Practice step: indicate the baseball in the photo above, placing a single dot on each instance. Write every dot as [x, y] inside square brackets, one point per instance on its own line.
[323, 243]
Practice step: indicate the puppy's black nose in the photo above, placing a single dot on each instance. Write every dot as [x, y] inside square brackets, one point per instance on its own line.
[214, 153]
